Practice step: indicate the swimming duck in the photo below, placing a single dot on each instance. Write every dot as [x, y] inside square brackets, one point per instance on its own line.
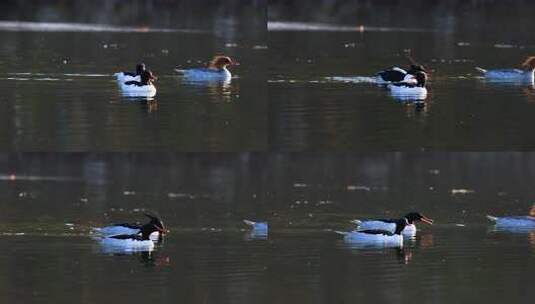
[526, 222]
[128, 76]
[405, 90]
[524, 74]
[257, 227]
[396, 74]
[143, 88]
[216, 70]
[390, 224]
[377, 237]
[133, 228]
[132, 242]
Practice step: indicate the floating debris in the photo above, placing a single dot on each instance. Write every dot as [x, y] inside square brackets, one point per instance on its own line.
[462, 43]
[129, 192]
[300, 185]
[434, 171]
[504, 46]
[462, 191]
[181, 195]
[358, 188]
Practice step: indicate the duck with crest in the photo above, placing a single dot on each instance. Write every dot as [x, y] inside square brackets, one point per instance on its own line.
[522, 74]
[216, 70]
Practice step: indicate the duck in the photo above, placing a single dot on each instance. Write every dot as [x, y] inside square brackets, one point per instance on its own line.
[132, 242]
[216, 70]
[128, 76]
[520, 222]
[257, 227]
[377, 237]
[133, 228]
[390, 224]
[399, 75]
[142, 88]
[404, 90]
[524, 74]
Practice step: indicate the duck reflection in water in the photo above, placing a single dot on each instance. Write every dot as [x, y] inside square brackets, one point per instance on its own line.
[153, 259]
[218, 90]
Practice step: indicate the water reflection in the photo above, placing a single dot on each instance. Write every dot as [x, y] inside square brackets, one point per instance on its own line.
[218, 90]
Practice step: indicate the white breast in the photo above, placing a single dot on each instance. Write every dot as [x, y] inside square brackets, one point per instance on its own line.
[360, 239]
[117, 245]
[138, 91]
[408, 93]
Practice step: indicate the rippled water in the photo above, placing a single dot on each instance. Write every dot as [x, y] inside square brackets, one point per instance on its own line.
[49, 202]
[59, 92]
[304, 84]
[320, 68]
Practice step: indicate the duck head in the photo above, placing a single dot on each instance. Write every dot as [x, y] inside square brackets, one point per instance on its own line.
[421, 78]
[221, 62]
[147, 77]
[415, 68]
[529, 62]
[140, 68]
[154, 220]
[149, 228]
[417, 217]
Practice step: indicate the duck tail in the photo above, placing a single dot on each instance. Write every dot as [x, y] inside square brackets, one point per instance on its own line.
[248, 222]
[341, 232]
[492, 218]
[481, 70]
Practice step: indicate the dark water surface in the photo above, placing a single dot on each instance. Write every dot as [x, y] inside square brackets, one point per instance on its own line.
[59, 93]
[322, 51]
[49, 202]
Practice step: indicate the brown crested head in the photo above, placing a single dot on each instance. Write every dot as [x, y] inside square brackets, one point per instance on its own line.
[220, 62]
[529, 62]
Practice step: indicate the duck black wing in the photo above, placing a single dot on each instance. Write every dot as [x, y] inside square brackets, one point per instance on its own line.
[377, 232]
[390, 221]
[126, 237]
[392, 75]
[133, 82]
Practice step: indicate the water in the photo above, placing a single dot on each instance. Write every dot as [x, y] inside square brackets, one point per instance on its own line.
[59, 93]
[49, 202]
[321, 98]
[304, 84]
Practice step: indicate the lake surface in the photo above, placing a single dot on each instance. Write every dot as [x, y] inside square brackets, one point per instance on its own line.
[322, 54]
[59, 92]
[50, 201]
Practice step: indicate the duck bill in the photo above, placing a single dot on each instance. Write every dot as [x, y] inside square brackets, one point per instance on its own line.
[164, 231]
[427, 220]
